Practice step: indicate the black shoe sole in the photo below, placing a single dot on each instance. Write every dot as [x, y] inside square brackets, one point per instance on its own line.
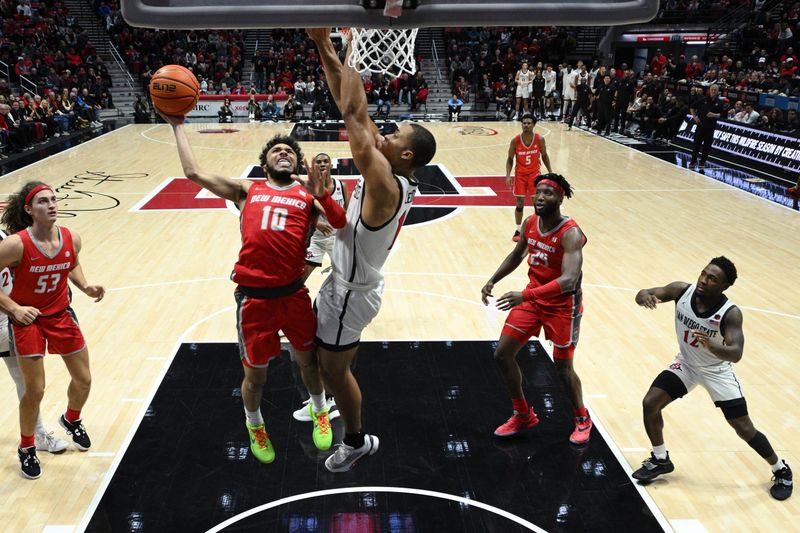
[651, 478]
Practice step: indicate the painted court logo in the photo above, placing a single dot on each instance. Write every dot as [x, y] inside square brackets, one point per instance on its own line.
[476, 130]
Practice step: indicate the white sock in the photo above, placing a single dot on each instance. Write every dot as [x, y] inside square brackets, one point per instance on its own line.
[660, 451]
[318, 401]
[40, 429]
[778, 465]
[254, 417]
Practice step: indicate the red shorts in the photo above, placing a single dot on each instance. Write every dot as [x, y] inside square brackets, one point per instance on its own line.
[56, 334]
[561, 324]
[523, 184]
[258, 321]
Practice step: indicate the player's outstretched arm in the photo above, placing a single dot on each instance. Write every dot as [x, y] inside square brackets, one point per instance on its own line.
[509, 264]
[222, 186]
[649, 298]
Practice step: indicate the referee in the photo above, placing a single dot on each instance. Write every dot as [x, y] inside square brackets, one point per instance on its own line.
[705, 113]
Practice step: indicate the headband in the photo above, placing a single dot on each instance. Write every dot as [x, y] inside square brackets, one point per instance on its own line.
[552, 184]
[36, 190]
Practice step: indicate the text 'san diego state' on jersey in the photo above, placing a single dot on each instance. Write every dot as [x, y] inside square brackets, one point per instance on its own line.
[40, 280]
[545, 255]
[528, 162]
[274, 224]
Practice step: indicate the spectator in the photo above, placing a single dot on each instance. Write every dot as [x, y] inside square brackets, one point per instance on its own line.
[141, 113]
[225, 112]
[269, 111]
[454, 107]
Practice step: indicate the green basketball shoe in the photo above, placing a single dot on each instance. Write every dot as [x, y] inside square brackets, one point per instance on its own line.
[322, 433]
[260, 444]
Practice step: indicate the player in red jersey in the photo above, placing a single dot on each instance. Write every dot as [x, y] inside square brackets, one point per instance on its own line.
[526, 149]
[42, 257]
[275, 219]
[553, 244]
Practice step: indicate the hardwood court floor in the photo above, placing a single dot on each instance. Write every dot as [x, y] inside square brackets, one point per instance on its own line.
[648, 223]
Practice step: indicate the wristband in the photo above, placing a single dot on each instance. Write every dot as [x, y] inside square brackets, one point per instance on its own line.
[543, 292]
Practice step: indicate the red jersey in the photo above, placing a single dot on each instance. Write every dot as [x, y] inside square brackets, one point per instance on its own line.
[274, 225]
[527, 157]
[40, 280]
[545, 254]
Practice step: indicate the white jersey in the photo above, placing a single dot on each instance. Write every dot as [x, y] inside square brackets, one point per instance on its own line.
[338, 197]
[360, 251]
[568, 90]
[687, 319]
[549, 81]
[525, 78]
[6, 284]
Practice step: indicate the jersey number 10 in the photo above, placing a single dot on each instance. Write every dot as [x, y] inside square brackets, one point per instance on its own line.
[277, 220]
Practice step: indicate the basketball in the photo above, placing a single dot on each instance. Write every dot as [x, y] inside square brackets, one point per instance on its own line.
[174, 90]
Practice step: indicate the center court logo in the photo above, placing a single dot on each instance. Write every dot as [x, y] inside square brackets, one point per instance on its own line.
[479, 131]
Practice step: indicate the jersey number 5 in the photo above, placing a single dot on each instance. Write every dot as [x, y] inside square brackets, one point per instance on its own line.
[527, 160]
[47, 283]
[278, 219]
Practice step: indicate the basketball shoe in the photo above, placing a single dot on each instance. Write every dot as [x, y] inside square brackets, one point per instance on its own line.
[260, 444]
[78, 433]
[301, 414]
[517, 423]
[653, 467]
[322, 433]
[583, 428]
[345, 457]
[28, 462]
[781, 487]
[48, 442]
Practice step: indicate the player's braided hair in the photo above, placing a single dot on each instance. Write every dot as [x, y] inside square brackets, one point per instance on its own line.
[282, 139]
[558, 178]
[727, 266]
[14, 217]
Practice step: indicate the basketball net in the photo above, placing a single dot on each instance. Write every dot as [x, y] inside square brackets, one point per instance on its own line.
[382, 51]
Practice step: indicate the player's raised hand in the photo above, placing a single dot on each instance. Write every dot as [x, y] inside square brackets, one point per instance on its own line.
[486, 292]
[319, 34]
[509, 300]
[25, 315]
[172, 120]
[313, 182]
[647, 299]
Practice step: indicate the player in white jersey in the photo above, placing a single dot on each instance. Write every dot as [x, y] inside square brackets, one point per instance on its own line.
[550, 93]
[322, 238]
[709, 331]
[45, 440]
[524, 80]
[350, 297]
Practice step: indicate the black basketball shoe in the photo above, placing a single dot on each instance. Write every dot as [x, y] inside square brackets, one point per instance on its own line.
[78, 433]
[29, 463]
[652, 468]
[781, 487]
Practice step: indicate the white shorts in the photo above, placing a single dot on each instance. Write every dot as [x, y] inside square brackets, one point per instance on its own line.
[720, 381]
[342, 314]
[318, 247]
[523, 92]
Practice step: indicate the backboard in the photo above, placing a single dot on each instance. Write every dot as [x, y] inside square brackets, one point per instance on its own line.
[230, 14]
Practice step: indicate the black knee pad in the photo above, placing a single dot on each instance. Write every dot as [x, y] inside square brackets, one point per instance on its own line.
[671, 384]
[733, 408]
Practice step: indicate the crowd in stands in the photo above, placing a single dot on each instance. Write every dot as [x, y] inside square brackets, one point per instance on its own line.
[63, 83]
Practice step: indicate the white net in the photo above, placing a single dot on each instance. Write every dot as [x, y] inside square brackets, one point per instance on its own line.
[383, 51]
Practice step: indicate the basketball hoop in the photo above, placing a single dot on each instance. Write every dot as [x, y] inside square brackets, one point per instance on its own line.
[382, 51]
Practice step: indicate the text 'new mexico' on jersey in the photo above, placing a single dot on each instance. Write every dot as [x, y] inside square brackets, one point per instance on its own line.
[359, 250]
[40, 280]
[274, 223]
[545, 255]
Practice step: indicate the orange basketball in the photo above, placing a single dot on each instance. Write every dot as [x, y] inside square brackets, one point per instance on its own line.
[174, 90]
